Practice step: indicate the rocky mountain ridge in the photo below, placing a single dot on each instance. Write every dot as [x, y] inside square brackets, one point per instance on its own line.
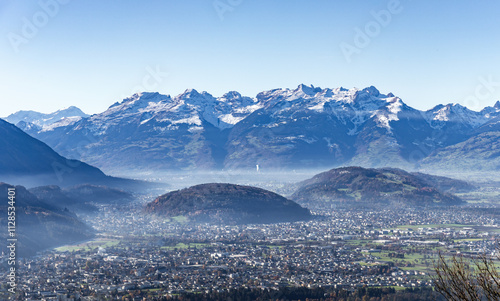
[306, 127]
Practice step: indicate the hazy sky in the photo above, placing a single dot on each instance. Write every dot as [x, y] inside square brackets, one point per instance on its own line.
[94, 53]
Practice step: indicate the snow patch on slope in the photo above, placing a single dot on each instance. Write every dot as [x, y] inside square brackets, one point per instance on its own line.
[389, 113]
[47, 122]
[441, 115]
[63, 122]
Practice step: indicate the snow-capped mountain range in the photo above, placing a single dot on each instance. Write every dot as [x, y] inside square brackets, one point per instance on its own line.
[46, 122]
[306, 127]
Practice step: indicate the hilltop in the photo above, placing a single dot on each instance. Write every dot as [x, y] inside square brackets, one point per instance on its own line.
[367, 186]
[227, 204]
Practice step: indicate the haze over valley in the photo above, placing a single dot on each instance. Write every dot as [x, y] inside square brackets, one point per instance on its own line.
[218, 181]
[249, 150]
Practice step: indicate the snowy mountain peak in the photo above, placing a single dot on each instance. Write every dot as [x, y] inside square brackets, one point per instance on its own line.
[71, 111]
[31, 119]
[395, 105]
[148, 97]
[340, 89]
[231, 95]
[308, 90]
[192, 97]
[192, 93]
[491, 112]
[389, 113]
[497, 105]
[138, 102]
[457, 109]
[454, 113]
[138, 98]
[456, 106]
[350, 107]
[237, 101]
[367, 99]
[266, 96]
[371, 90]
[442, 112]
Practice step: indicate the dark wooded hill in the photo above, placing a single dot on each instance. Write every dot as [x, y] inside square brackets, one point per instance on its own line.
[228, 204]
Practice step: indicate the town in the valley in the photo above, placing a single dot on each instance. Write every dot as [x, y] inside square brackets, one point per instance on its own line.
[136, 257]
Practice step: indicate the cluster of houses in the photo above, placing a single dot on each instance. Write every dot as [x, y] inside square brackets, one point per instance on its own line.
[341, 249]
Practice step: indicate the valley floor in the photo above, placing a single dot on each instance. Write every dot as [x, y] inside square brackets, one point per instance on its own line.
[341, 249]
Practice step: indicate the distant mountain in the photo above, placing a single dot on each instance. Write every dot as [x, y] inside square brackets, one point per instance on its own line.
[154, 131]
[306, 127]
[28, 120]
[480, 151]
[356, 186]
[39, 225]
[98, 194]
[28, 161]
[227, 204]
[58, 198]
[445, 184]
[81, 197]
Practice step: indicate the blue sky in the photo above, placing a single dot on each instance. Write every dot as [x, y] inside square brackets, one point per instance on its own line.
[94, 53]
